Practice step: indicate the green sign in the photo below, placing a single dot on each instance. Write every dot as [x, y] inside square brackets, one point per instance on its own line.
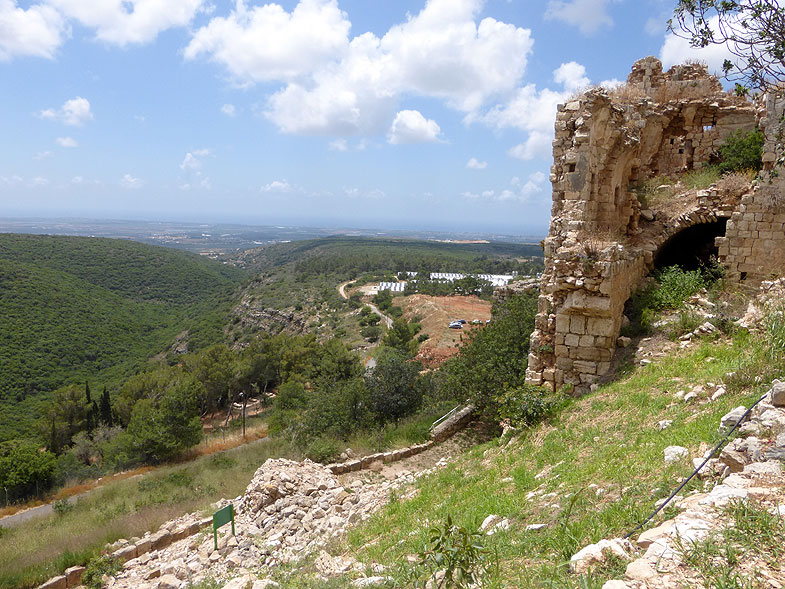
[221, 518]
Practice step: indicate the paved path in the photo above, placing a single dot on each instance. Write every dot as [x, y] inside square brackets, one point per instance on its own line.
[28, 514]
[342, 291]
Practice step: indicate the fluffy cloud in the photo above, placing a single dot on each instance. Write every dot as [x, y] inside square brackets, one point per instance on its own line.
[229, 110]
[475, 164]
[123, 22]
[36, 31]
[75, 112]
[339, 145]
[335, 85]
[191, 160]
[266, 43]
[676, 50]
[588, 15]
[130, 183]
[409, 126]
[534, 111]
[39, 182]
[42, 155]
[66, 142]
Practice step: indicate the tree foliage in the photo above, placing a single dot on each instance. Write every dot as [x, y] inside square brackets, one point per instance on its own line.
[24, 468]
[753, 31]
[395, 387]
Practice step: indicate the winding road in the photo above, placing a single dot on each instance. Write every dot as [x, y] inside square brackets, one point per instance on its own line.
[371, 362]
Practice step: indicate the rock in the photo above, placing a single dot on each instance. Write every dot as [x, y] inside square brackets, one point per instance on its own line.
[718, 393]
[498, 527]
[664, 424]
[648, 537]
[675, 454]
[74, 575]
[732, 417]
[371, 581]
[623, 342]
[58, 582]
[265, 584]
[596, 554]
[169, 582]
[331, 566]
[778, 394]
[647, 215]
[244, 582]
[640, 570]
[615, 584]
[489, 522]
[535, 527]
[690, 396]
[734, 459]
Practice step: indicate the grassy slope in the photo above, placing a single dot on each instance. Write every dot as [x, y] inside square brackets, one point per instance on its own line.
[608, 438]
[79, 308]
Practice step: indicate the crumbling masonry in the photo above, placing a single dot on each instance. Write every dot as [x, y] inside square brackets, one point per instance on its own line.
[603, 242]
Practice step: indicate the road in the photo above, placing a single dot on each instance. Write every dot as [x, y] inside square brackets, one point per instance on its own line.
[27, 514]
[342, 291]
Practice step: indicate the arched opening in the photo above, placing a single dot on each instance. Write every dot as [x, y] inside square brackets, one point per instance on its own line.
[692, 247]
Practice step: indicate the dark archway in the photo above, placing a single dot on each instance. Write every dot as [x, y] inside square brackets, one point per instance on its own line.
[692, 247]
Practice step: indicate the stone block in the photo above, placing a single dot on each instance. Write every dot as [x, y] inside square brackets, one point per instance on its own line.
[160, 540]
[578, 324]
[571, 340]
[562, 323]
[126, 553]
[58, 582]
[601, 326]
[143, 546]
[585, 366]
[73, 576]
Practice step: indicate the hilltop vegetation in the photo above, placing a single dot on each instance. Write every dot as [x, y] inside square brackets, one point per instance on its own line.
[76, 309]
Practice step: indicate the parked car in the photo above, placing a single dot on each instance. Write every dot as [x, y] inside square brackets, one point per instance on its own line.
[476, 322]
[461, 320]
[456, 325]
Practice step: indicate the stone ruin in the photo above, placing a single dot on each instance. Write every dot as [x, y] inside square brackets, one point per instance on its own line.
[603, 242]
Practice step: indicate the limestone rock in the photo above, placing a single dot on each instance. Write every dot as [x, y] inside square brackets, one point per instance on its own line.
[732, 417]
[675, 454]
[640, 570]
[169, 582]
[596, 554]
[778, 394]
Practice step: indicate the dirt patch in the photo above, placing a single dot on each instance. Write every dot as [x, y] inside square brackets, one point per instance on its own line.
[436, 314]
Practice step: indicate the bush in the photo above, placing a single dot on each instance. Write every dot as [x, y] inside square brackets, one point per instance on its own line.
[676, 286]
[371, 332]
[774, 322]
[99, 566]
[525, 406]
[62, 506]
[742, 150]
[323, 450]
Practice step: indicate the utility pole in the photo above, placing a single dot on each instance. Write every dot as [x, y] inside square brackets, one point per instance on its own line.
[244, 397]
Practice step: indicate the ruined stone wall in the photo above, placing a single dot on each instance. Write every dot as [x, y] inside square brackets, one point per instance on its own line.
[753, 248]
[601, 244]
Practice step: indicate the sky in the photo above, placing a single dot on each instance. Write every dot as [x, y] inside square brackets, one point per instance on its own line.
[392, 114]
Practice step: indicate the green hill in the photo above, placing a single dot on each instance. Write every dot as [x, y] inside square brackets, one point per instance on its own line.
[75, 308]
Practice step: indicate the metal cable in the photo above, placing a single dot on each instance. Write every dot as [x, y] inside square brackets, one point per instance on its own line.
[697, 470]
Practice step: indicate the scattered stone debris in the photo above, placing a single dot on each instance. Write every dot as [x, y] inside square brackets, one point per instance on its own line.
[749, 468]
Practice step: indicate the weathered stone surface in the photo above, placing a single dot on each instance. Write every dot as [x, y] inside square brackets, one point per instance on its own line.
[778, 394]
[732, 417]
[596, 554]
[675, 454]
[73, 575]
[58, 582]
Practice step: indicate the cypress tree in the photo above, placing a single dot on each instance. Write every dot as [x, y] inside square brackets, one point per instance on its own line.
[106, 408]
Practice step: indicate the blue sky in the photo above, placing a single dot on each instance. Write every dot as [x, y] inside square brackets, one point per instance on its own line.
[401, 114]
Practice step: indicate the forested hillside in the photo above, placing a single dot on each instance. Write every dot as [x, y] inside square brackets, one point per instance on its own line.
[75, 309]
[356, 255]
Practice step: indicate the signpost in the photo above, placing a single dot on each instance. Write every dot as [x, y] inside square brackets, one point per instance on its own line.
[221, 518]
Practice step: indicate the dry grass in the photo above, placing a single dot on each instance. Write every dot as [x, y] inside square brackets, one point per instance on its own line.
[626, 94]
[736, 184]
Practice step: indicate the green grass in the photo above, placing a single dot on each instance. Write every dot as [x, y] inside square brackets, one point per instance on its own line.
[40, 548]
[701, 178]
[608, 438]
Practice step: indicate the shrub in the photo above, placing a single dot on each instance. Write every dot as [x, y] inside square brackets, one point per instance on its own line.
[461, 554]
[525, 406]
[742, 150]
[323, 450]
[774, 323]
[371, 332]
[62, 506]
[676, 285]
[99, 566]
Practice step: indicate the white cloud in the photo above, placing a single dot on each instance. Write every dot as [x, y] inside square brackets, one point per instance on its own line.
[66, 142]
[122, 22]
[201, 152]
[36, 31]
[192, 161]
[588, 15]
[229, 110]
[338, 145]
[335, 85]
[77, 180]
[42, 155]
[572, 76]
[611, 84]
[75, 112]
[13, 180]
[278, 186]
[38, 182]
[266, 43]
[676, 50]
[409, 126]
[374, 194]
[475, 164]
[130, 183]
[517, 192]
[534, 111]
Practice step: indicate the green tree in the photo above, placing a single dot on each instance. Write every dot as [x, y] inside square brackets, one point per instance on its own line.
[401, 337]
[215, 367]
[742, 150]
[64, 416]
[24, 468]
[753, 31]
[161, 429]
[495, 357]
[395, 387]
[106, 409]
